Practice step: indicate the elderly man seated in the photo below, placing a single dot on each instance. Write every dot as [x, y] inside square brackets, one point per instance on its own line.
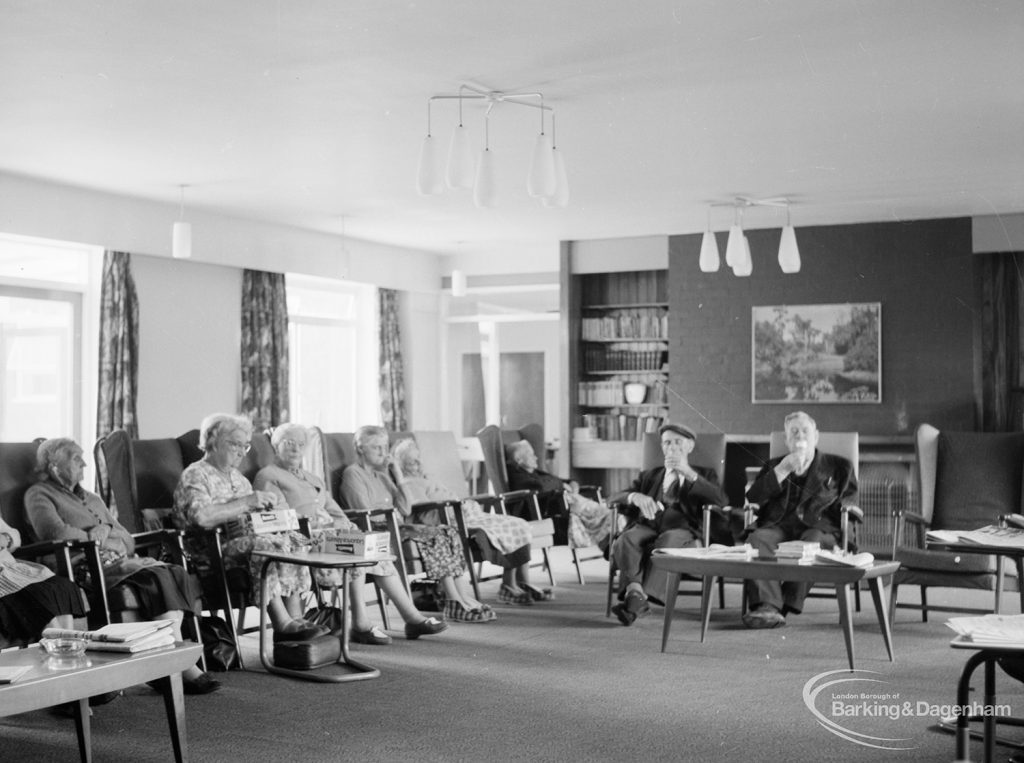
[665, 510]
[800, 497]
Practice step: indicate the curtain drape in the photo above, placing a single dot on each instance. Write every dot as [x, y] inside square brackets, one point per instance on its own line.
[264, 348]
[392, 374]
[119, 347]
[1001, 282]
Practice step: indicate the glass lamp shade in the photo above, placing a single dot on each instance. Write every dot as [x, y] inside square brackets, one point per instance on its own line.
[541, 180]
[789, 254]
[485, 189]
[734, 246]
[430, 179]
[560, 198]
[709, 257]
[459, 171]
[458, 283]
[745, 265]
[181, 241]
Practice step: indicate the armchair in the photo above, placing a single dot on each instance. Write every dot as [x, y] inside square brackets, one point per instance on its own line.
[708, 452]
[528, 502]
[966, 480]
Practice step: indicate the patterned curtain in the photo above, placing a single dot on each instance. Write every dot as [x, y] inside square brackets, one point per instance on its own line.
[119, 347]
[392, 375]
[264, 348]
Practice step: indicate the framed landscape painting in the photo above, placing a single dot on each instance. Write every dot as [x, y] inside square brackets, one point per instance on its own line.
[817, 353]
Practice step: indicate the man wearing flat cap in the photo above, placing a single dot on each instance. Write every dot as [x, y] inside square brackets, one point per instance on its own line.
[664, 507]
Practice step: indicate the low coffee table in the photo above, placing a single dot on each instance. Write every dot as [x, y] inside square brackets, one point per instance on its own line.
[343, 562]
[51, 683]
[1013, 553]
[708, 568]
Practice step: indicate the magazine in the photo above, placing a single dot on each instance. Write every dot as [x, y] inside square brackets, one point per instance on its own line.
[114, 633]
[990, 535]
[844, 559]
[160, 638]
[714, 550]
[993, 629]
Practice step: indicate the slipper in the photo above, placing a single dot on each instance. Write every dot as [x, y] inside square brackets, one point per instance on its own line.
[508, 596]
[537, 594]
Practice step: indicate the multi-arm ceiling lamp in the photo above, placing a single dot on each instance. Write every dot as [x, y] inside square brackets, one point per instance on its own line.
[546, 180]
[737, 247]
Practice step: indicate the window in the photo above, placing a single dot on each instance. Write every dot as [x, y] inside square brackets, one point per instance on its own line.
[49, 302]
[332, 341]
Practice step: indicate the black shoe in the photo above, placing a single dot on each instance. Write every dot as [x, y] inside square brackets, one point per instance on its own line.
[67, 709]
[202, 684]
[428, 627]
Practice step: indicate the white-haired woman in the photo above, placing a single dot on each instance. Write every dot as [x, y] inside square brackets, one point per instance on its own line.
[212, 492]
[59, 508]
[305, 492]
[505, 540]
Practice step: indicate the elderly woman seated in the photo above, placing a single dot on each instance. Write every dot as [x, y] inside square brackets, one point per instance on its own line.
[502, 540]
[305, 492]
[31, 596]
[373, 482]
[59, 508]
[211, 493]
[589, 521]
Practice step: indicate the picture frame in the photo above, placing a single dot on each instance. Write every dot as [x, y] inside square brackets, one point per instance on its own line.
[816, 353]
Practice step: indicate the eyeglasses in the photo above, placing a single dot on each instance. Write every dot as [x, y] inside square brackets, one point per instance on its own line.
[289, 443]
[239, 447]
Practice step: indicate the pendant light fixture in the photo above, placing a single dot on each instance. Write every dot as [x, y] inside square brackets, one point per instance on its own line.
[546, 179]
[181, 234]
[734, 244]
[709, 257]
[789, 253]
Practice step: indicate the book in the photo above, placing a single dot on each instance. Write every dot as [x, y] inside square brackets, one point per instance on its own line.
[837, 558]
[155, 640]
[114, 633]
[715, 550]
[10, 674]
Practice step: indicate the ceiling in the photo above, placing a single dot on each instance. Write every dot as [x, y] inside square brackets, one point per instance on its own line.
[306, 112]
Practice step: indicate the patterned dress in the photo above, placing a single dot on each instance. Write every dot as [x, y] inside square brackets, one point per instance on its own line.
[306, 493]
[439, 545]
[203, 485]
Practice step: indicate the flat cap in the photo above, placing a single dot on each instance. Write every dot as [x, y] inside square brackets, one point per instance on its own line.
[685, 431]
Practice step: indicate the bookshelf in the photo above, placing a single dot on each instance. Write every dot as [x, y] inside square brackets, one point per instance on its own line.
[620, 340]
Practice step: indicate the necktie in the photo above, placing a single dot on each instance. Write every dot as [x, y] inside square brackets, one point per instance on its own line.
[672, 491]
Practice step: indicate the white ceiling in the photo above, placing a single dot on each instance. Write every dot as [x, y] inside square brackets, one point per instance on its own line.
[300, 112]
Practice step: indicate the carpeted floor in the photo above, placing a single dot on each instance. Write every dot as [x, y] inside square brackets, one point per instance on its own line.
[560, 682]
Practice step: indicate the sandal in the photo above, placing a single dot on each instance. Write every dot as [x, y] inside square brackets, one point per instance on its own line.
[455, 610]
[510, 596]
[537, 594]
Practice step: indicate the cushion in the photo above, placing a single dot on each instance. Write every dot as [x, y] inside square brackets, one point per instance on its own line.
[978, 478]
[306, 655]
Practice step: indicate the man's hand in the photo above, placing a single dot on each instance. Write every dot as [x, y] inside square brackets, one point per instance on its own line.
[647, 505]
[677, 462]
[794, 463]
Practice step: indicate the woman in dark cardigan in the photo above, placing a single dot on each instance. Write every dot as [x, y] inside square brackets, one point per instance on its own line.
[59, 508]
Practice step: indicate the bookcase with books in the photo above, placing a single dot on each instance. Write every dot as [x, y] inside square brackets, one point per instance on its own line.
[621, 384]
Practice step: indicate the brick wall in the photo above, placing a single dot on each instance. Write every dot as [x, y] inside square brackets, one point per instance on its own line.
[919, 271]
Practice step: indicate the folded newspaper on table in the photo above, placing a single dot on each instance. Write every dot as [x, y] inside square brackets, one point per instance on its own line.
[996, 629]
[715, 550]
[836, 558]
[990, 535]
[121, 637]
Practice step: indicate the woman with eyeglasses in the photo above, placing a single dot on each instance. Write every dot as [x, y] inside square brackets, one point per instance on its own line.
[211, 493]
[59, 508]
[308, 495]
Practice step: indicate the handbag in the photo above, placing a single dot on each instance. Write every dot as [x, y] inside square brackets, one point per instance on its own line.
[325, 615]
[219, 646]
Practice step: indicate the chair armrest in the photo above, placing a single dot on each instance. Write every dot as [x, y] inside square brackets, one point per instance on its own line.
[913, 518]
[42, 548]
[592, 491]
[854, 512]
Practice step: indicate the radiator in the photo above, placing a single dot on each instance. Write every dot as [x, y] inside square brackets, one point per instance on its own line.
[884, 488]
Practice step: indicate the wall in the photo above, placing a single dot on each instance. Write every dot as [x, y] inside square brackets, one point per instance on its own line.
[919, 271]
[189, 333]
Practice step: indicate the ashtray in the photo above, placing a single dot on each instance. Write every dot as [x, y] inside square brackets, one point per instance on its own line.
[64, 648]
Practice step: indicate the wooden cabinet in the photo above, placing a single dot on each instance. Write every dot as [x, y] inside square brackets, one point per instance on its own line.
[619, 371]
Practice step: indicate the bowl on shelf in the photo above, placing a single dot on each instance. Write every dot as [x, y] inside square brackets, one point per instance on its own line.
[64, 648]
[635, 392]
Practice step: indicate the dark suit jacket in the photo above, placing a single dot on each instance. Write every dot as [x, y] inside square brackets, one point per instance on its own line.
[830, 484]
[687, 512]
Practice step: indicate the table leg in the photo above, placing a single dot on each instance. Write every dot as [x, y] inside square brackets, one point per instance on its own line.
[1019, 561]
[877, 586]
[990, 718]
[671, 592]
[963, 692]
[83, 730]
[174, 704]
[845, 618]
[999, 582]
[707, 585]
[264, 655]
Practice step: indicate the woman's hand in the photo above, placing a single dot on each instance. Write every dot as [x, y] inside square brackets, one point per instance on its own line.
[395, 470]
[263, 499]
[99, 533]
